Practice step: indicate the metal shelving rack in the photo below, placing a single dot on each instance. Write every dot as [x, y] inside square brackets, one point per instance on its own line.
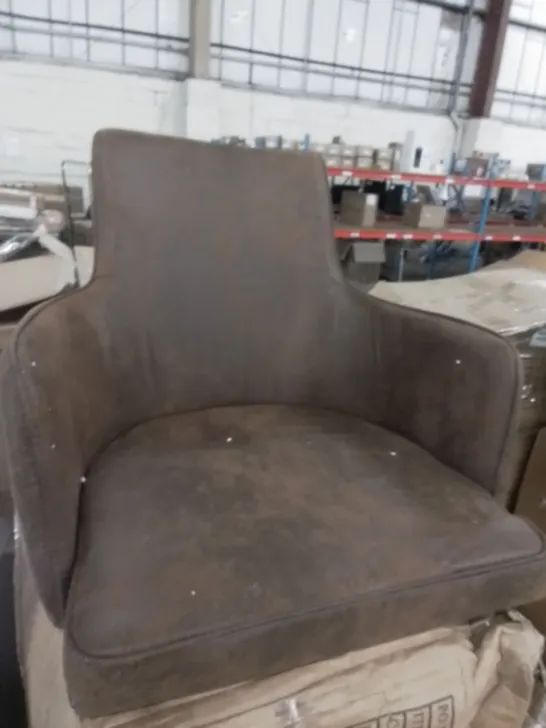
[477, 236]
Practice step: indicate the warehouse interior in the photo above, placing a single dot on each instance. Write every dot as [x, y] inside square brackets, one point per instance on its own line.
[272, 363]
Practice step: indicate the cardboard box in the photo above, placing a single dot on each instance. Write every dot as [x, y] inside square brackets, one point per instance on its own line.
[365, 150]
[364, 261]
[535, 171]
[234, 141]
[503, 167]
[396, 150]
[364, 161]
[348, 151]
[290, 144]
[476, 166]
[383, 159]
[269, 142]
[333, 149]
[431, 217]
[358, 209]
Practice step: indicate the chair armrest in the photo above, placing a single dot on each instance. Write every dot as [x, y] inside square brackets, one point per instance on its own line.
[451, 387]
[59, 406]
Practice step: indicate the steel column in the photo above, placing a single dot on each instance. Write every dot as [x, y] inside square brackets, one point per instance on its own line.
[495, 24]
[199, 50]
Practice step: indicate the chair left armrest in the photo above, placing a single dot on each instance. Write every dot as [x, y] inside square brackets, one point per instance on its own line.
[451, 387]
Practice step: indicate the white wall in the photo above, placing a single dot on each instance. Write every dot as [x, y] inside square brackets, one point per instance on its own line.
[215, 110]
[50, 113]
[520, 145]
[54, 111]
[523, 145]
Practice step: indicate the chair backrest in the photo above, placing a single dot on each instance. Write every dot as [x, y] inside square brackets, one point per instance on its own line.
[224, 269]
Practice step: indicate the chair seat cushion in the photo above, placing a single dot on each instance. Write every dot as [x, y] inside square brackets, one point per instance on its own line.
[235, 543]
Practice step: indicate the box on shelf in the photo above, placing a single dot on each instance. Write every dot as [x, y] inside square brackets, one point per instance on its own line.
[364, 162]
[318, 148]
[396, 155]
[234, 141]
[358, 209]
[418, 215]
[365, 156]
[290, 144]
[330, 161]
[383, 159]
[536, 171]
[477, 165]
[364, 261]
[502, 167]
[364, 150]
[540, 213]
[348, 151]
[268, 142]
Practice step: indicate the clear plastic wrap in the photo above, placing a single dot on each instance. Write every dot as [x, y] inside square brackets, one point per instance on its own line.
[536, 716]
[507, 300]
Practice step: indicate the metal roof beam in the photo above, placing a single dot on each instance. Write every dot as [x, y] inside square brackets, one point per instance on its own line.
[199, 51]
[495, 25]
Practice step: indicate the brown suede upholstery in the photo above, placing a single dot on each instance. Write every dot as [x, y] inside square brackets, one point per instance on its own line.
[201, 443]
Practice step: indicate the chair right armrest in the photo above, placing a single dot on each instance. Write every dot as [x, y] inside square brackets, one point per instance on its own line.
[453, 388]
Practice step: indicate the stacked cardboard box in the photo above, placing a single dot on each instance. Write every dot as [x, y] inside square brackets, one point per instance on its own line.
[364, 156]
[336, 154]
[364, 260]
[358, 209]
[396, 156]
[234, 141]
[269, 142]
[291, 144]
[536, 171]
[383, 159]
[418, 215]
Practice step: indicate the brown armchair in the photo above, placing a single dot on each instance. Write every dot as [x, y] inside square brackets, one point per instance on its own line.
[227, 462]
